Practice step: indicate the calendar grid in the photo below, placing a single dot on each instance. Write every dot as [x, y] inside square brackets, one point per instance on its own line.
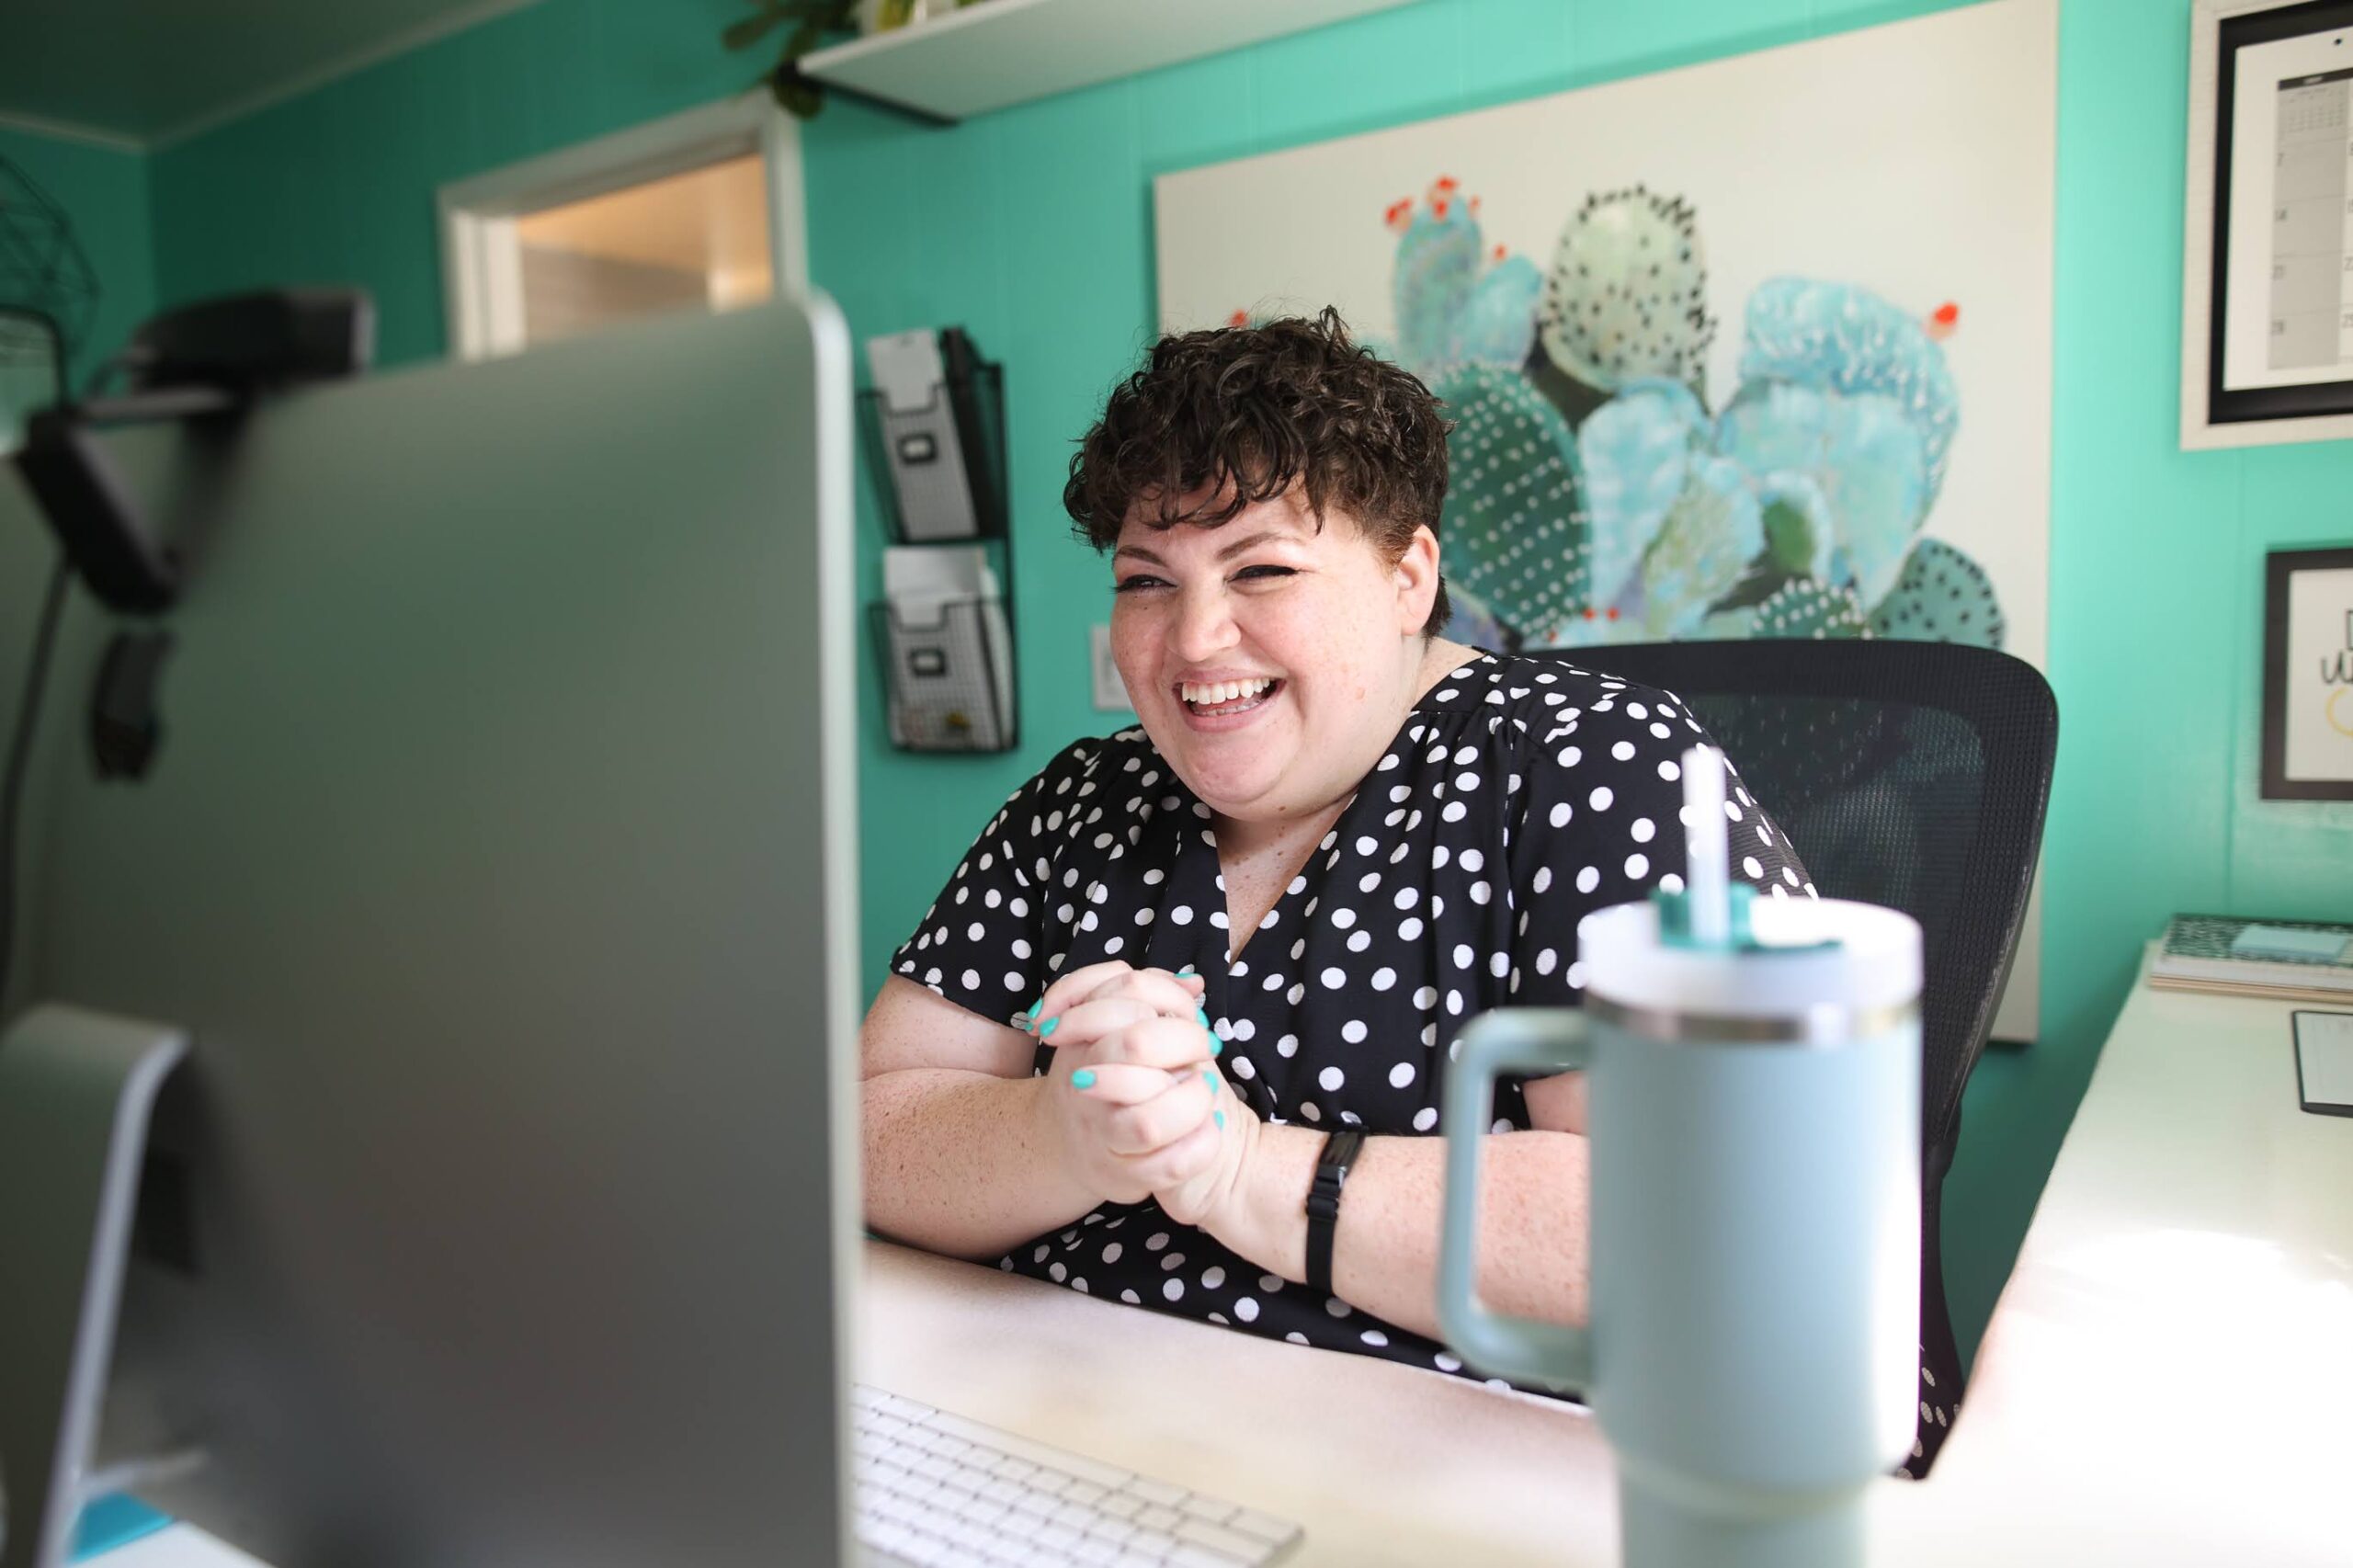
[2310, 303]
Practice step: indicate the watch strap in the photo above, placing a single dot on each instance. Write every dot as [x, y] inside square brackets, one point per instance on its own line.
[1323, 1203]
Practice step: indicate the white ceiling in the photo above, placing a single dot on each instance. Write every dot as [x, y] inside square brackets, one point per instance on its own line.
[148, 72]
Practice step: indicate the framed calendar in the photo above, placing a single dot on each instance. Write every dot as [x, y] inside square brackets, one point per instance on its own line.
[2267, 261]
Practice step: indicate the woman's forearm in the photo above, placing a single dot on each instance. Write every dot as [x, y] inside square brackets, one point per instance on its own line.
[960, 1163]
[1532, 1233]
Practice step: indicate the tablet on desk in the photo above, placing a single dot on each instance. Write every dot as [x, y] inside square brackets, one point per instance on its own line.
[2324, 1061]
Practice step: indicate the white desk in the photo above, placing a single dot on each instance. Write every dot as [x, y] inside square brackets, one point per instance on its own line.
[2168, 1378]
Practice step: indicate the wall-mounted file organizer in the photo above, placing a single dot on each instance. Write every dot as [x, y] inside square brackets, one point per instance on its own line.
[948, 686]
[934, 427]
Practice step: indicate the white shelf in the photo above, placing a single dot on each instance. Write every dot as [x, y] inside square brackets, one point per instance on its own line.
[1008, 51]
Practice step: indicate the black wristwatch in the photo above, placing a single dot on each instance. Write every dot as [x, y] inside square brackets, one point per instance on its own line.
[1323, 1203]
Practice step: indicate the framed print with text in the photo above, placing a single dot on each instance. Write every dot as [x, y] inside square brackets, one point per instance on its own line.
[2267, 341]
[2308, 675]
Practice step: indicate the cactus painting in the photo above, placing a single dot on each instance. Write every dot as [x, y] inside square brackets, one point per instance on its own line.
[1755, 348]
[1596, 497]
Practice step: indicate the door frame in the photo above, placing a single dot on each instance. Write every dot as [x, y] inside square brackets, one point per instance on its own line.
[481, 260]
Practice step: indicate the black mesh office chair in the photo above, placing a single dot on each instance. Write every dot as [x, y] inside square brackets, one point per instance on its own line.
[1911, 775]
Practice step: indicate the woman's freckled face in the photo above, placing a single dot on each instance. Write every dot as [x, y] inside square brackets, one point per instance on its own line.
[1267, 595]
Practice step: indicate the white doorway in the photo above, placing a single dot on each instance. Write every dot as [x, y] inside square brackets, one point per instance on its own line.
[701, 210]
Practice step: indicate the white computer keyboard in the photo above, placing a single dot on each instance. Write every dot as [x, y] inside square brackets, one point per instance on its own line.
[936, 1489]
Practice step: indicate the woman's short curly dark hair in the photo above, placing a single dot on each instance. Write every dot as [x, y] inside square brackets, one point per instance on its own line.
[1255, 411]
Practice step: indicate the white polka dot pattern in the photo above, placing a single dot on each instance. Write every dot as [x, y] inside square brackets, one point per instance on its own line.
[1517, 797]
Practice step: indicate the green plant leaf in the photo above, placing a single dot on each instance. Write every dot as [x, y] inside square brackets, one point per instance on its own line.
[794, 92]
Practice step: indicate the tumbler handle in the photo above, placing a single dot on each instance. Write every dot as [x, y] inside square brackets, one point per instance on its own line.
[1521, 1039]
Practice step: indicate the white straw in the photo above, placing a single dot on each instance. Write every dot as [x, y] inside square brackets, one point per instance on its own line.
[1707, 877]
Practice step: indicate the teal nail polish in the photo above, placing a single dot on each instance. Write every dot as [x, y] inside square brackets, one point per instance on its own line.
[1209, 1076]
[1041, 1002]
[1082, 1079]
[1220, 1120]
[1202, 1013]
[1217, 1046]
[1047, 1028]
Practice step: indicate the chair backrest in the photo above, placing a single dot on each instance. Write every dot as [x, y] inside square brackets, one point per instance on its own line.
[1911, 775]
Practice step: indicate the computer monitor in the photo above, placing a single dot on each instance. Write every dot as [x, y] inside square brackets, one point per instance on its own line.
[498, 865]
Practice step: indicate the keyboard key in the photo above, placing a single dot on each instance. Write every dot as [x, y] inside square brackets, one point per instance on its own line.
[1158, 1518]
[1158, 1492]
[1241, 1548]
[1209, 1508]
[1201, 1557]
[1110, 1476]
[1031, 1505]
[1267, 1528]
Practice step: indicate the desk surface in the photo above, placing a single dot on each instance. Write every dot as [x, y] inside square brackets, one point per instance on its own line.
[2168, 1377]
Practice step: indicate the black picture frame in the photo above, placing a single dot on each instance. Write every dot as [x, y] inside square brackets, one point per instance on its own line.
[2280, 567]
[2213, 416]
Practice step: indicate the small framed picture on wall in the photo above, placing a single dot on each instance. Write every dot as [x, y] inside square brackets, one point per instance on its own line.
[2308, 675]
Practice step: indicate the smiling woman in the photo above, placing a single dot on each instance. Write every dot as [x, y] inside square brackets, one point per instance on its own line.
[1186, 956]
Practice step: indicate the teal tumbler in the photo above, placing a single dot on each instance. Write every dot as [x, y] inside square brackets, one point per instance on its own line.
[1753, 1118]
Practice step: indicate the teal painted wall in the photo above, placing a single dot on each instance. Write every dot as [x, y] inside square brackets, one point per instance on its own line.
[1032, 228]
[105, 195]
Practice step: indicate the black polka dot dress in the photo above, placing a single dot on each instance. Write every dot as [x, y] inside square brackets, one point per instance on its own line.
[1518, 797]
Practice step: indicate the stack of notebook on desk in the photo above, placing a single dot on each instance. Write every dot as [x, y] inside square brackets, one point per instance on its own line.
[2289, 960]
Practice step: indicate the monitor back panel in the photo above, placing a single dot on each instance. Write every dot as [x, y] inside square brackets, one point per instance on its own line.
[499, 855]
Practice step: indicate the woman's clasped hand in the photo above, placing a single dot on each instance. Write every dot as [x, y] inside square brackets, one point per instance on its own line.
[1139, 1108]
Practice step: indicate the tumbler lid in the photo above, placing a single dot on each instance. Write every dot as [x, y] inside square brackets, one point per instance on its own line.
[1802, 955]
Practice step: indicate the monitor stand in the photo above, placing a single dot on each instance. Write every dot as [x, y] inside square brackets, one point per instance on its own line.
[76, 1091]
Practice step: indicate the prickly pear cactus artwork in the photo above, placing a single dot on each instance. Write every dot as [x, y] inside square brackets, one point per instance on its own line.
[1596, 496]
[1852, 469]
[1627, 295]
[1942, 597]
[1458, 300]
[1514, 527]
[1803, 607]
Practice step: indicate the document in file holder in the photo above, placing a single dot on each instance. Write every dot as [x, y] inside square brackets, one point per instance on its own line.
[924, 443]
[948, 649]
